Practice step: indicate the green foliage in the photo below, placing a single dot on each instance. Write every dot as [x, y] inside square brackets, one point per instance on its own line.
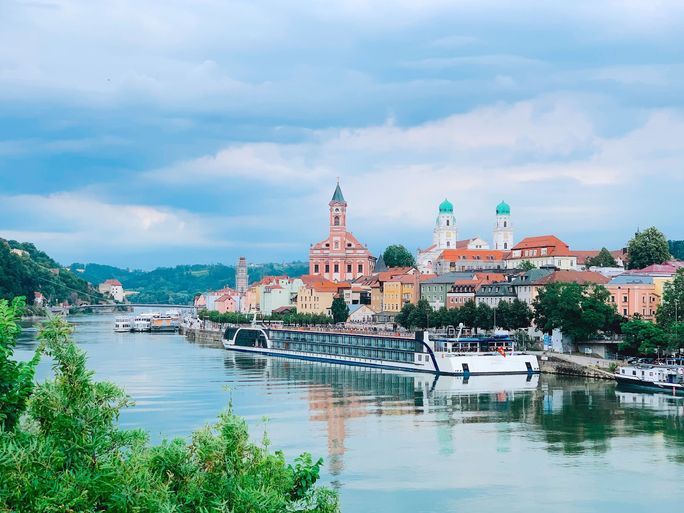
[37, 272]
[294, 319]
[676, 248]
[71, 455]
[397, 255]
[642, 337]
[422, 315]
[16, 378]
[484, 317]
[671, 308]
[579, 311]
[403, 318]
[519, 316]
[178, 285]
[647, 248]
[603, 259]
[339, 310]
[468, 313]
[526, 265]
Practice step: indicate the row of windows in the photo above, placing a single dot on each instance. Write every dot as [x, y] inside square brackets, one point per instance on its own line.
[625, 299]
[353, 340]
[334, 349]
[336, 268]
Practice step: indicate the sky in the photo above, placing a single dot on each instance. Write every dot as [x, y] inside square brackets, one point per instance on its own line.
[145, 134]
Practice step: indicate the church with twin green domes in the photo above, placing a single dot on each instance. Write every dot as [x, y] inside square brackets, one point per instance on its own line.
[445, 236]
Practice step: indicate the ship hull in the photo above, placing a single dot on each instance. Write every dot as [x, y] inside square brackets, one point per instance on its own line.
[451, 365]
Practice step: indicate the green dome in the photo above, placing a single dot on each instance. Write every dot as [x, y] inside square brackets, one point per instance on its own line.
[503, 209]
[446, 207]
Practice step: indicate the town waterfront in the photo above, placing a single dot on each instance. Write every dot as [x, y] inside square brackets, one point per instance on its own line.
[396, 442]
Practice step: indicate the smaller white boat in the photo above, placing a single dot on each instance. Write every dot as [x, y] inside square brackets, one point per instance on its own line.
[142, 322]
[667, 378]
[123, 325]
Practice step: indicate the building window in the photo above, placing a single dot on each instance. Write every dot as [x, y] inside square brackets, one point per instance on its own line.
[624, 312]
[505, 224]
[360, 268]
[447, 222]
[337, 220]
[505, 245]
[349, 268]
[327, 268]
[624, 299]
[315, 268]
[337, 268]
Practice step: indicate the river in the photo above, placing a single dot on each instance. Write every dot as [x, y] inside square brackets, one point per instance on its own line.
[397, 442]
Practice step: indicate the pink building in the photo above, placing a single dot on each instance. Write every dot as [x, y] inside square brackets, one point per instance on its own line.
[225, 303]
[340, 257]
[634, 295]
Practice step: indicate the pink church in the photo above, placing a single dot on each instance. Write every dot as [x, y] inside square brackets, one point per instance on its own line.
[340, 257]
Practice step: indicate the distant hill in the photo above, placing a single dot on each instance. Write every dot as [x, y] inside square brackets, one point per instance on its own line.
[178, 285]
[28, 270]
[677, 249]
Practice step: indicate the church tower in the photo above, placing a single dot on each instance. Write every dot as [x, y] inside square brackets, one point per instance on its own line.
[503, 231]
[338, 212]
[445, 234]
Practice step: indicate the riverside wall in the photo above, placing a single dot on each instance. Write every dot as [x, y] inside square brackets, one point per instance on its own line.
[569, 365]
[209, 338]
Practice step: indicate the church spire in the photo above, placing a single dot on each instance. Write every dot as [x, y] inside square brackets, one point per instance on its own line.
[337, 195]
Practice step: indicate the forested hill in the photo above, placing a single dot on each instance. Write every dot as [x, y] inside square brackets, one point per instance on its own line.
[178, 285]
[28, 270]
[677, 249]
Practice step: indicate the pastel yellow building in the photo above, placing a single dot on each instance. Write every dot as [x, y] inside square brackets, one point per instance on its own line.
[316, 297]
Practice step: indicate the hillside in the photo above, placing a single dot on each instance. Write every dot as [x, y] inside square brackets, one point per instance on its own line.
[34, 271]
[178, 285]
[677, 249]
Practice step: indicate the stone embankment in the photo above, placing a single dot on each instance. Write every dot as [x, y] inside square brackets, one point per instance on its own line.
[571, 365]
[210, 338]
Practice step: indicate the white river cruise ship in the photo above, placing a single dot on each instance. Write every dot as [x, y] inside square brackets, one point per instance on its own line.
[425, 352]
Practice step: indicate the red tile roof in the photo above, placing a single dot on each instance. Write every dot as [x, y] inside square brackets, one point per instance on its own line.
[555, 246]
[581, 277]
[115, 283]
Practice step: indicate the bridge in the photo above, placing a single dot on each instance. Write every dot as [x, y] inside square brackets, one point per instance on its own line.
[134, 305]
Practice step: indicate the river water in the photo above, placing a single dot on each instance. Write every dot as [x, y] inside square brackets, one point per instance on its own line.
[398, 442]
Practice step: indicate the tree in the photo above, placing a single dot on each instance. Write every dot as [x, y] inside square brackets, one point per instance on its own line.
[642, 337]
[671, 309]
[579, 311]
[421, 315]
[468, 313]
[403, 318]
[647, 248]
[397, 255]
[603, 259]
[676, 248]
[502, 315]
[520, 315]
[484, 317]
[16, 378]
[526, 265]
[339, 310]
